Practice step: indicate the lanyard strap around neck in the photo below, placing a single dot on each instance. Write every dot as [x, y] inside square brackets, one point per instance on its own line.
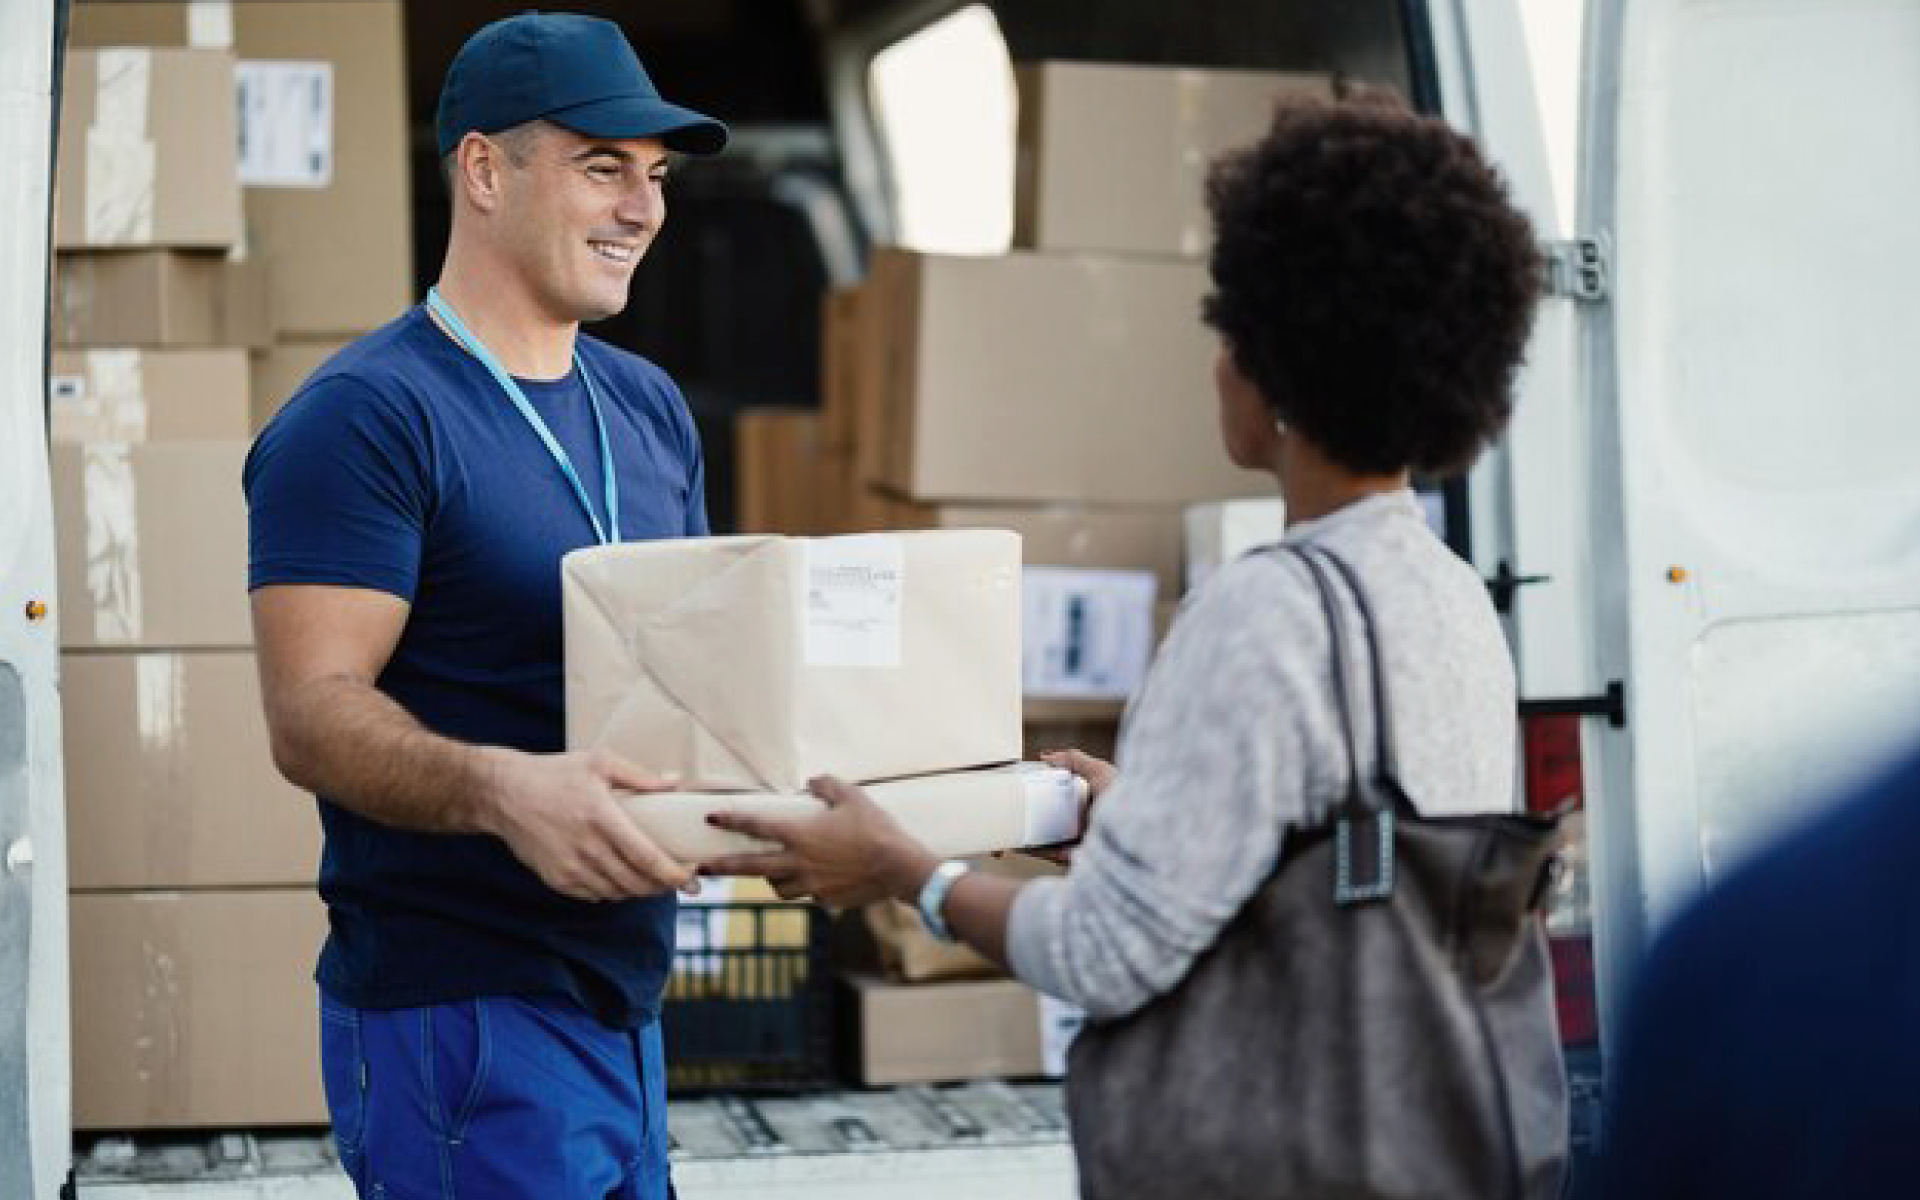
[474, 346]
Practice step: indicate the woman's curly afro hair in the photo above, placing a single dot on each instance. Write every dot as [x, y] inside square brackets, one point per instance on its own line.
[1374, 282]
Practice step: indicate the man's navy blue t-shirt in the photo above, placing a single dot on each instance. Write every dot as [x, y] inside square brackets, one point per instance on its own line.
[402, 466]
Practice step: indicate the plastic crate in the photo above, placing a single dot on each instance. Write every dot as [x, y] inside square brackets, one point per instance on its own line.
[749, 1004]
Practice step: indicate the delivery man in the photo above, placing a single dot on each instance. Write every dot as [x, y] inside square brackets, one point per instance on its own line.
[499, 933]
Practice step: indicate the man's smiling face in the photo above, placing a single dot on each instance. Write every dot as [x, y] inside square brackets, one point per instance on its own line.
[577, 215]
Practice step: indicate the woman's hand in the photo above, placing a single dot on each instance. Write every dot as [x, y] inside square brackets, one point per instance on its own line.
[1099, 774]
[853, 853]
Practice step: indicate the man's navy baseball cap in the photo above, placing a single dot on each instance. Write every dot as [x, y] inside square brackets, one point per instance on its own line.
[578, 72]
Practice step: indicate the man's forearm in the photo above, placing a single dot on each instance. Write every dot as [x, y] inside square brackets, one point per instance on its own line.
[341, 738]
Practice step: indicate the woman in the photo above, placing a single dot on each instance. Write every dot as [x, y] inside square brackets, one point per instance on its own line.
[1373, 288]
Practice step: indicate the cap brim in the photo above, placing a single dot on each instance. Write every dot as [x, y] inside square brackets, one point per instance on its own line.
[678, 128]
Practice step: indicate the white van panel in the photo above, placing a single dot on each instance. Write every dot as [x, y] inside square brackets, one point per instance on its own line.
[1756, 371]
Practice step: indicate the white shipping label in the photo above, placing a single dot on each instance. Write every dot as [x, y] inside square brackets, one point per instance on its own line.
[856, 589]
[1085, 633]
[286, 123]
[1060, 1023]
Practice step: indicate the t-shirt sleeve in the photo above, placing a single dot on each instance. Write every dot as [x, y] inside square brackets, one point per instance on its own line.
[696, 460]
[339, 492]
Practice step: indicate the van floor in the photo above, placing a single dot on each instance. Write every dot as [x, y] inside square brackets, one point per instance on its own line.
[975, 1141]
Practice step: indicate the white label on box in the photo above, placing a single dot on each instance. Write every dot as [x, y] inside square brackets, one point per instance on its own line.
[286, 123]
[1060, 1023]
[1087, 633]
[210, 24]
[120, 160]
[855, 588]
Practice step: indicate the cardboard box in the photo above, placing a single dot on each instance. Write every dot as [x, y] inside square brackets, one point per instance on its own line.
[170, 778]
[842, 325]
[1090, 132]
[1218, 533]
[196, 1009]
[147, 157]
[152, 545]
[951, 813]
[1036, 377]
[278, 371]
[148, 395]
[323, 129]
[785, 481]
[756, 663]
[159, 298]
[964, 1029]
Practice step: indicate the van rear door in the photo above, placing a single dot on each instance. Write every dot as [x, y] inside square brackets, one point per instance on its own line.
[1743, 438]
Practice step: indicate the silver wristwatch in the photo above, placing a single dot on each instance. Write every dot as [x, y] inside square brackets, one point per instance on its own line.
[933, 897]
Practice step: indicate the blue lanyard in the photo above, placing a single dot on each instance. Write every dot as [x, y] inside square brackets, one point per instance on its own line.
[507, 384]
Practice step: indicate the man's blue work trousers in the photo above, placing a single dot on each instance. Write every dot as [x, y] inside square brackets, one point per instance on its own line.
[498, 1099]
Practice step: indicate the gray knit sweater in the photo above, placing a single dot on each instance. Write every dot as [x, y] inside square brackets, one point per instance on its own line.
[1234, 739]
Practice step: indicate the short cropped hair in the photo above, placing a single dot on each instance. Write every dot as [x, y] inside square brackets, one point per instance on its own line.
[518, 142]
[1374, 281]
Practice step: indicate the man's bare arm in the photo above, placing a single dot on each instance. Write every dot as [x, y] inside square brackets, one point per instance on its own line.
[333, 732]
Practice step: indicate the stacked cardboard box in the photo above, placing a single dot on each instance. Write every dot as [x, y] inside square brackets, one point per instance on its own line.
[318, 86]
[212, 158]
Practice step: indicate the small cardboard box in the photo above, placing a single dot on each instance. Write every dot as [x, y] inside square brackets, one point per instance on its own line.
[323, 130]
[196, 1009]
[170, 778]
[1040, 377]
[147, 158]
[956, 1030]
[152, 545]
[148, 395]
[159, 298]
[1090, 132]
[756, 663]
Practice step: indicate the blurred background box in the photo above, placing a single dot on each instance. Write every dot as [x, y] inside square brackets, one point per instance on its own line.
[148, 150]
[148, 395]
[196, 1009]
[1091, 133]
[170, 777]
[159, 298]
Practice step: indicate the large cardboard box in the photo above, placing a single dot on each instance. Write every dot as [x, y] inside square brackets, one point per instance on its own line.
[170, 778]
[323, 129]
[957, 1030]
[147, 158]
[195, 1009]
[756, 663]
[159, 298]
[1037, 377]
[785, 480]
[148, 395]
[278, 371]
[152, 545]
[1091, 132]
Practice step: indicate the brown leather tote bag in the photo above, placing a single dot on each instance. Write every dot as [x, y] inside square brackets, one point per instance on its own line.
[1376, 1023]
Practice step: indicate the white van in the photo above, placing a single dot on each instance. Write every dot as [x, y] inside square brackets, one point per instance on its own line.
[1705, 522]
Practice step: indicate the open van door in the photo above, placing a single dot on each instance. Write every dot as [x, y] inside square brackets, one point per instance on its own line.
[1748, 418]
[35, 1141]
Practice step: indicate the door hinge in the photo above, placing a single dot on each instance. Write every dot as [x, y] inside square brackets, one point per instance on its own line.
[1504, 583]
[1579, 269]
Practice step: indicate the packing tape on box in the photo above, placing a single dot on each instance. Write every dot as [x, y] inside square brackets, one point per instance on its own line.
[106, 403]
[120, 156]
[111, 500]
[210, 24]
[953, 814]
[1190, 89]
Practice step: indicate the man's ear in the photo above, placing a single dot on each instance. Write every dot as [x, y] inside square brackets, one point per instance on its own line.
[477, 170]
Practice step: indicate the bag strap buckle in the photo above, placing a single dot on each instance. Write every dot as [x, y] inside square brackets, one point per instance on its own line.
[1348, 888]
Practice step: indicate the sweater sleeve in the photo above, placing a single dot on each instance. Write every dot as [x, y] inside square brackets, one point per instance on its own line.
[1215, 767]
